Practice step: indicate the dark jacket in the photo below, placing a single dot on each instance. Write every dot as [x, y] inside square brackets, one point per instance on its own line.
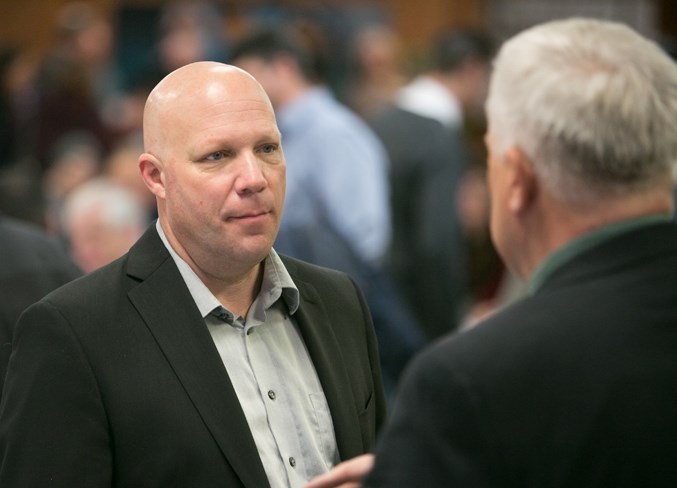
[575, 386]
[32, 263]
[115, 381]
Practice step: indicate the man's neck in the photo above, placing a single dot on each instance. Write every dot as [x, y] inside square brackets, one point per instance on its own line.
[235, 290]
[236, 296]
[564, 225]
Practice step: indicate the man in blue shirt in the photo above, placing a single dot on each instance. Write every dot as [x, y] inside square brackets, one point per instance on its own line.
[337, 209]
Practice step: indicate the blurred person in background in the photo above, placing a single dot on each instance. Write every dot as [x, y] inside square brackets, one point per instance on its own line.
[432, 181]
[426, 258]
[33, 264]
[120, 167]
[337, 203]
[454, 86]
[337, 211]
[187, 31]
[101, 220]
[75, 159]
[8, 122]
[377, 68]
[575, 385]
[18, 71]
[76, 81]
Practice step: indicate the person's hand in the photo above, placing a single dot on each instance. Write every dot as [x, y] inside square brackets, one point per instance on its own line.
[348, 474]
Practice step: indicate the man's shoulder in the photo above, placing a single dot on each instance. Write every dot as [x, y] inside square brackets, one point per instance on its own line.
[392, 116]
[596, 297]
[23, 238]
[514, 336]
[27, 249]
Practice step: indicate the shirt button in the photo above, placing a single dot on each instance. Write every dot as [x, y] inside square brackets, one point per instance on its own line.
[292, 462]
[271, 395]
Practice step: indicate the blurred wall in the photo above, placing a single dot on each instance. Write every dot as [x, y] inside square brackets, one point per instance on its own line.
[28, 23]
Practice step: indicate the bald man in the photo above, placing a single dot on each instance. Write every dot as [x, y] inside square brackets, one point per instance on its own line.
[201, 358]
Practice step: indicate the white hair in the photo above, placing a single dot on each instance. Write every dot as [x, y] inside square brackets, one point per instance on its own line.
[592, 103]
[119, 206]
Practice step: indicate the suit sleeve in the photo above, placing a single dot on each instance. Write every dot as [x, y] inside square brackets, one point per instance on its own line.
[53, 429]
[435, 437]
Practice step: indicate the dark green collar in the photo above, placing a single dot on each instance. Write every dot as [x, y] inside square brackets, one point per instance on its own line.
[587, 241]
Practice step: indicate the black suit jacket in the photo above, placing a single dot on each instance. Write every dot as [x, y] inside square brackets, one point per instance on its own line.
[32, 264]
[428, 259]
[114, 381]
[575, 386]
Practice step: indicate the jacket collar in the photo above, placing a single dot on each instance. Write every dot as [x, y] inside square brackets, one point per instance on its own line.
[165, 304]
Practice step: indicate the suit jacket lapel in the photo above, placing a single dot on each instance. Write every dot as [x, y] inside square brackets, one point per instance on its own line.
[315, 326]
[165, 304]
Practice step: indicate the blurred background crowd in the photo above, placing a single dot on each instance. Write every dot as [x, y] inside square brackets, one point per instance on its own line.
[74, 76]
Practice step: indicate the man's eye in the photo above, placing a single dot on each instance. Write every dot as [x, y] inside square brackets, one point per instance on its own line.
[269, 148]
[216, 156]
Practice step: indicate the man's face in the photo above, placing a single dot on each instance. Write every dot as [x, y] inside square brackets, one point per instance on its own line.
[95, 242]
[224, 179]
[480, 76]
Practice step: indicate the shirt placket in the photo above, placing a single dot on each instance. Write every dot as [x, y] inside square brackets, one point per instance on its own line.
[277, 402]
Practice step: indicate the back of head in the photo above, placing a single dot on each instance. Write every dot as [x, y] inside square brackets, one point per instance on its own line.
[296, 42]
[453, 48]
[592, 103]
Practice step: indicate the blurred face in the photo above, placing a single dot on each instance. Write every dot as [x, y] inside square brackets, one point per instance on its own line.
[94, 242]
[478, 76]
[221, 177]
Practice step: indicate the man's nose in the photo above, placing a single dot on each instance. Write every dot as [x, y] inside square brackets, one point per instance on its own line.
[250, 178]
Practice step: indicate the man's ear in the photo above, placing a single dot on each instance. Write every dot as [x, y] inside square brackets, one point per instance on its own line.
[523, 182]
[152, 173]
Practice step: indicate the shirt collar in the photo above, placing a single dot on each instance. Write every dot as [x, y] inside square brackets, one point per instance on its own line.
[587, 241]
[427, 97]
[276, 283]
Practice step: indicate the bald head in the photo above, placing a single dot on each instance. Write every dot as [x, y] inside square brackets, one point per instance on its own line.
[214, 161]
[177, 100]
